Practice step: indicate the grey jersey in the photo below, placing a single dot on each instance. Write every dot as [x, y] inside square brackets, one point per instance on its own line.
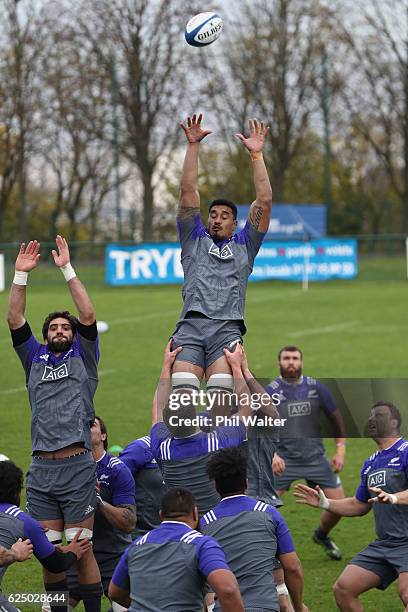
[183, 461]
[251, 534]
[216, 274]
[301, 403]
[61, 390]
[165, 570]
[387, 469]
[261, 480]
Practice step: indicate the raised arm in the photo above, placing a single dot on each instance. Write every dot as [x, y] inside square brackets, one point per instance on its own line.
[163, 388]
[82, 301]
[260, 211]
[349, 506]
[189, 202]
[26, 261]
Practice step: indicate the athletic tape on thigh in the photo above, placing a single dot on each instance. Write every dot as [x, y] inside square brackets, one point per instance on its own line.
[282, 589]
[55, 537]
[71, 532]
[117, 607]
[184, 380]
[220, 382]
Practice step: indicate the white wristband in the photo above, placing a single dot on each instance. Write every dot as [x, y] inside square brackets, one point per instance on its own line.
[20, 278]
[323, 501]
[394, 498]
[68, 272]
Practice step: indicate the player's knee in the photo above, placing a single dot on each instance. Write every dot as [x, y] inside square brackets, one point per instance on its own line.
[403, 593]
[341, 591]
[54, 536]
[70, 533]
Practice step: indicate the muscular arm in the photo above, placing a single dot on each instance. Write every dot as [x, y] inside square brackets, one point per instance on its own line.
[82, 301]
[260, 211]
[293, 578]
[20, 551]
[121, 596]
[189, 202]
[16, 306]
[349, 506]
[225, 585]
[122, 517]
[163, 388]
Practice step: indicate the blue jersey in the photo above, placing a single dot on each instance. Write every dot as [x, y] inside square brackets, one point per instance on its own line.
[183, 461]
[150, 486]
[301, 403]
[216, 273]
[166, 569]
[251, 534]
[15, 524]
[117, 487]
[387, 469]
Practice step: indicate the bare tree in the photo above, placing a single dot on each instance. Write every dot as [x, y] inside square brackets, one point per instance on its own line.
[76, 122]
[145, 40]
[269, 68]
[377, 96]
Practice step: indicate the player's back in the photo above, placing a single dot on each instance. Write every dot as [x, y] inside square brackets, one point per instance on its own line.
[246, 530]
[11, 529]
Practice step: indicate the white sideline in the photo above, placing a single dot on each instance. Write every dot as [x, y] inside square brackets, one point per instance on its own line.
[317, 331]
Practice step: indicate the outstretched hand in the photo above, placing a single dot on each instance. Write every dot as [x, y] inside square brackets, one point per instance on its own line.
[311, 497]
[193, 130]
[257, 135]
[28, 257]
[61, 258]
[381, 496]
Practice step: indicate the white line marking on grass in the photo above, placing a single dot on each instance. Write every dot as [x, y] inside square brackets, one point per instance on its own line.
[318, 331]
[102, 373]
[141, 318]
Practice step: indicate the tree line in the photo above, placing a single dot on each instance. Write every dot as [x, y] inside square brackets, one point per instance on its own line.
[92, 93]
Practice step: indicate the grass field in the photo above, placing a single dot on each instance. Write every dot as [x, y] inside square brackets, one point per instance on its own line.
[346, 329]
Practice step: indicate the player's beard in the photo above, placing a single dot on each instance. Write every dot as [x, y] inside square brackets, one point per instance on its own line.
[292, 374]
[59, 345]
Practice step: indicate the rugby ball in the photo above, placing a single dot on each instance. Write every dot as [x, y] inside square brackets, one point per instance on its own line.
[203, 29]
[102, 326]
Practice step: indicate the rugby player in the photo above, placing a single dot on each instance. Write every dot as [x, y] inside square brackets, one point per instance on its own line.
[300, 453]
[251, 534]
[115, 517]
[150, 486]
[177, 442]
[168, 567]
[216, 262]
[61, 378]
[21, 535]
[384, 488]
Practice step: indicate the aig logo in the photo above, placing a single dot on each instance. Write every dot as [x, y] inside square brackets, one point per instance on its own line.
[55, 374]
[299, 409]
[225, 252]
[377, 479]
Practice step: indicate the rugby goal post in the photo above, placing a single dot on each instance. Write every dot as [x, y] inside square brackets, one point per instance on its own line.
[2, 280]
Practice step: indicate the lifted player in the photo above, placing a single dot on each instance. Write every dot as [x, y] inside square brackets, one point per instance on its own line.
[216, 264]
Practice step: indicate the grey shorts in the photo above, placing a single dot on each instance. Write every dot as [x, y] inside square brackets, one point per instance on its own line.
[385, 559]
[315, 474]
[62, 488]
[203, 340]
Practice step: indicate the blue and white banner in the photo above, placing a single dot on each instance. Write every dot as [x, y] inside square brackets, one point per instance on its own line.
[152, 264]
[294, 221]
[318, 260]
